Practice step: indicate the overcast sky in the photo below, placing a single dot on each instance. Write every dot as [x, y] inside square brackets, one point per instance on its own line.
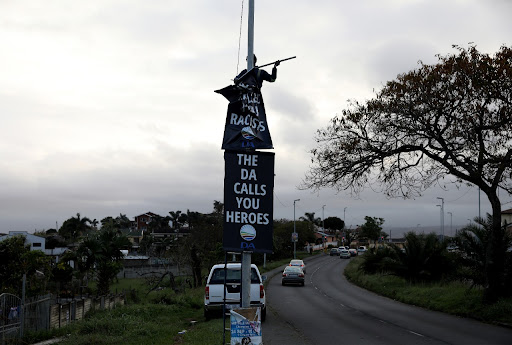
[108, 106]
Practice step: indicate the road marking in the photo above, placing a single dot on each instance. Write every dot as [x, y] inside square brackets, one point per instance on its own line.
[419, 335]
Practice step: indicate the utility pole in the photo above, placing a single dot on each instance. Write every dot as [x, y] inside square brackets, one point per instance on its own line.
[451, 218]
[323, 218]
[294, 231]
[442, 218]
[246, 256]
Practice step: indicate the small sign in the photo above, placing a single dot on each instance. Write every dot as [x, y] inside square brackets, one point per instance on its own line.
[295, 237]
[246, 326]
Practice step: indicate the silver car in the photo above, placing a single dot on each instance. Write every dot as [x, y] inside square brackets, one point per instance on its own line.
[298, 263]
[344, 254]
[292, 275]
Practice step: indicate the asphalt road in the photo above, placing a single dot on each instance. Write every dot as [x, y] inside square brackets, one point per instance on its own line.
[330, 310]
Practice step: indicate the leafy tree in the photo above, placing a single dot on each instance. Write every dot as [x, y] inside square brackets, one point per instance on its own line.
[310, 217]
[282, 242]
[177, 218]
[75, 227]
[444, 123]
[372, 228]
[101, 254]
[334, 223]
[159, 224]
[17, 259]
[423, 259]
[473, 243]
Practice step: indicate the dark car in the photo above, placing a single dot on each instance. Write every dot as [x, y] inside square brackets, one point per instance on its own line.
[293, 275]
[334, 251]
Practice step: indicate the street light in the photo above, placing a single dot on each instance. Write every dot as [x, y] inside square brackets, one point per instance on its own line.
[451, 218]
[442, 218]
[294, 230]
[323, 225]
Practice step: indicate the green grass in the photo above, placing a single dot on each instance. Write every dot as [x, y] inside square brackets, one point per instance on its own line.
[452, 298]
[161, 319]
[160, 316]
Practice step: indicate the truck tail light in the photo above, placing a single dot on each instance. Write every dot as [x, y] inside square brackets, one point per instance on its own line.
[207, 292]
[262, 292]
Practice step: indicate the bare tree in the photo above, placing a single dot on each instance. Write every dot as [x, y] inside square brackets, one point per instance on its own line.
[450, 122]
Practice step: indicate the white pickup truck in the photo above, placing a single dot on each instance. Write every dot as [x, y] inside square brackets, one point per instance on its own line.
[214, 290]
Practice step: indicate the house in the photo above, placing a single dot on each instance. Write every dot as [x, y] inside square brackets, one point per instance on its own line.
[56, 253]
[134, 236]
[142, 221]
[506, 216]
[324, 237]
[35, 242]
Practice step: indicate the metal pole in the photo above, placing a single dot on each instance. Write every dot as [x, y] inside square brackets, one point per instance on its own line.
[451, 219]
[294, 230]
[246, 256]
[323, 218]
[22, 311]
[442, 218]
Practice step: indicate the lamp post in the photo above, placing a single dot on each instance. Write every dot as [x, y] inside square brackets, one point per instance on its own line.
[294, 230]
[442, 218]
[451, 219]
[344, 217]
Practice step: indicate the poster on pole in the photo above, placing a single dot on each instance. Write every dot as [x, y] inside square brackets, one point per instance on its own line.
[246, 122]
[248, 201]
[246, 326]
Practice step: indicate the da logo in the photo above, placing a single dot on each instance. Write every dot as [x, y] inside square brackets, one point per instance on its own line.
[248, 232]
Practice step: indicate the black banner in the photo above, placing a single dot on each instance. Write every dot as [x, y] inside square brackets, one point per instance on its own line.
[246, 122]
[248, 201]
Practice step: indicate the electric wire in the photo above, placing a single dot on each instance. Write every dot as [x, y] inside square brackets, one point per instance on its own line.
[240, 37]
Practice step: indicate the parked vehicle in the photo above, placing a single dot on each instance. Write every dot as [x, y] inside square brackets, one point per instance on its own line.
[353, 252]
[292, 275]
[334, 251]
[214, 290]
[299, 263]
[344, 254]
[361, 249]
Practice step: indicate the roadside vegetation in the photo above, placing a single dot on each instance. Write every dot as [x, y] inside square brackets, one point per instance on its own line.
[426, 274]
[167, 316]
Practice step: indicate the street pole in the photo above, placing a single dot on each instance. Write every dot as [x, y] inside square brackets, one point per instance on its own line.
[451, 218]
[294, 230]
[442, 218]
[323, 218]
[246, 256]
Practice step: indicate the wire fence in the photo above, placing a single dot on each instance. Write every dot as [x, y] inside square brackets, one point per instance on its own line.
[46, 312]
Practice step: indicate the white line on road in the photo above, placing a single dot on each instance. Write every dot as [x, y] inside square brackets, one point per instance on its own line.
[419, 335]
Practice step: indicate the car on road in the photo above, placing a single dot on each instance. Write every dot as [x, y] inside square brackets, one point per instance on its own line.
[361, 249]
[222, 278]
[353, 252]
[293, 275]
[298, 263]
[334, 251]
[344, 254]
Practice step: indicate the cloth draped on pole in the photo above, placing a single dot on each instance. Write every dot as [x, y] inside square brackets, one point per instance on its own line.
[246, 122]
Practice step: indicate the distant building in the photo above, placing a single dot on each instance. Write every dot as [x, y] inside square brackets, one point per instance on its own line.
[56, 253]
[142, 221]
[35, 242]
[506, 216]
